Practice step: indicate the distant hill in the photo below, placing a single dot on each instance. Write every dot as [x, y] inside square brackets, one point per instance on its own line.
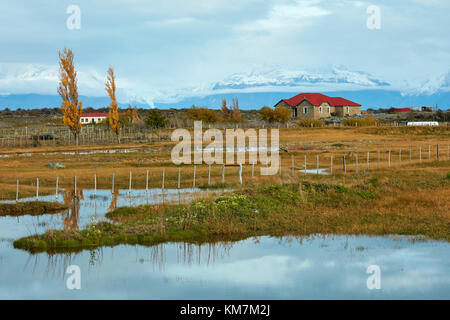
[254, 100]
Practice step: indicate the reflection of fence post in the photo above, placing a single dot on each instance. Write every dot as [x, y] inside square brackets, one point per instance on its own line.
[179, 177]
[37, 188]
[17, 190]
[112, 183]
[193, 180]
[240, 173]
[223, 173]
[56, 191]
[95, 184]
[75, 186]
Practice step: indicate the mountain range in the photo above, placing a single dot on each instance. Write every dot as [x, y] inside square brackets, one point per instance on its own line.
[254, 89]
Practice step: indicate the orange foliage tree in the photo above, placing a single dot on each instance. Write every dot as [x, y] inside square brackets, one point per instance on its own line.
[68, 90]
[113, 117]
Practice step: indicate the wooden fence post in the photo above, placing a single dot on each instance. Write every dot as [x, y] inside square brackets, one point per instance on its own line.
[129, 186]
[17, 190]
[193, 180]
[223, 173]
[420, 154]
[240, 173]
[344, 165]
[179, 177]
[37, 189]
[317, 164]
[378, 160]
[368, 160]
[146, 181]
[292, 164]
[112, 183]
[389, 159]
[305, 164]
[95, 184]
[209, 174]
[163, 177]
[400, 157]
[56, 191]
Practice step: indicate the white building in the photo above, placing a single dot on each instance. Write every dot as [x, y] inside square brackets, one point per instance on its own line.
[93, 118]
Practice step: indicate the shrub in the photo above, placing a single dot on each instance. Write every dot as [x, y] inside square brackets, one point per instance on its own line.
[155, 119]
[360, 122]
[311, 123]
[203, 114]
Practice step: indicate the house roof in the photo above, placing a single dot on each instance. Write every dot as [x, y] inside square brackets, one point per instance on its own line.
[95, 114]
[316, 99]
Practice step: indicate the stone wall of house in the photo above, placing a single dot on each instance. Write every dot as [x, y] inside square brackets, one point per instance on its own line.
[314, 112]
[351, 111]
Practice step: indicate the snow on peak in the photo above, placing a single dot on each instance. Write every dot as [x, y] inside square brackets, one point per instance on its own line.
[294, 78]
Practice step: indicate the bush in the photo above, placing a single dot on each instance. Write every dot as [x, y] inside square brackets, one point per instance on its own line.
[156, 119]
[311, 123]
[360, 122]
[280, 114]
[203, 114]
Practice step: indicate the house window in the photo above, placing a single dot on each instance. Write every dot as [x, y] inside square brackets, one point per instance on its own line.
[305, 110]
[328, 109]
[98, 120]
[295, 112]
[320, 109]
[82, 120]
[348, 109]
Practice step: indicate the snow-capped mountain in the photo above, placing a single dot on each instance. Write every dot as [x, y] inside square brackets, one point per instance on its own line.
[338, 75]
[431, 86]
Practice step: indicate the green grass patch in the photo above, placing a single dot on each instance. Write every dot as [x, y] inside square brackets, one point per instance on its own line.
[33, 208]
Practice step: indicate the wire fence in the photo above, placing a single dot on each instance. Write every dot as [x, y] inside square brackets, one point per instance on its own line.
[290, 166]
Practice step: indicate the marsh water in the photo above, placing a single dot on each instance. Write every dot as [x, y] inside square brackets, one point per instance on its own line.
[330, 267]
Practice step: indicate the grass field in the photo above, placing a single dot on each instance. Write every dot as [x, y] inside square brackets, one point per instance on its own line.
[312, 142]
[407, 197]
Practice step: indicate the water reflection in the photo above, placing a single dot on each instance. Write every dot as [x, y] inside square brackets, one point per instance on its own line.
[259, 268]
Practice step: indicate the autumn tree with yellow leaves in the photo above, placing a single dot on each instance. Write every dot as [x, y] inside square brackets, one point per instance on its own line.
[113, 106]
[68, 90]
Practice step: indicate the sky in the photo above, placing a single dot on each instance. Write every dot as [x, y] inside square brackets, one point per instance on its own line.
[166, 50]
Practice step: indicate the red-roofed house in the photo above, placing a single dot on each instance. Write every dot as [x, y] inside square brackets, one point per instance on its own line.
[317, 105]
[93, 118]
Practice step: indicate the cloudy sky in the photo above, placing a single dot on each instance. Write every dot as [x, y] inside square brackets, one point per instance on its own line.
[162, 50]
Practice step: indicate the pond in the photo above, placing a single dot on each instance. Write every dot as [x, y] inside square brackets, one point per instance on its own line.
[330, 267]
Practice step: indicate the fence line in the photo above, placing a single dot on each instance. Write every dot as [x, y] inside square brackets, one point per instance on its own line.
[347, 166]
